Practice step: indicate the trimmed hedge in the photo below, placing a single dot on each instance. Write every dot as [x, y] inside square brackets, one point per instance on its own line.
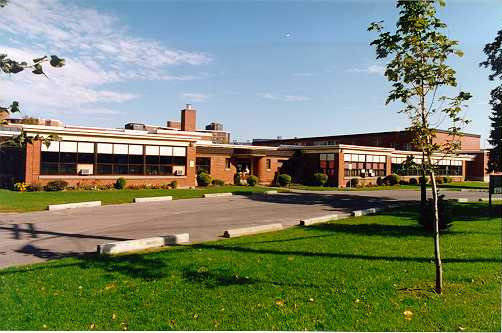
[320, 179]
[121, 183]
[284, 179]
[203, 179]
[252, 180]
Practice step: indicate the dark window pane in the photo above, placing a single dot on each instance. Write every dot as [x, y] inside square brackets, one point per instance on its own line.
[87, 158]
[105, 158]
[50, 156]
[68, 157]
[178, 160]
[49, 169]
[166, 160]
[105, 169]
[135, 159]
[152, 160]
[165, 170]
[152, 170]
[120, 169]
[67, 169]
[120, 159]
[135, 169]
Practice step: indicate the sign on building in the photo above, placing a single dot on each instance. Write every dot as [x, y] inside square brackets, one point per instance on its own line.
[495, 184]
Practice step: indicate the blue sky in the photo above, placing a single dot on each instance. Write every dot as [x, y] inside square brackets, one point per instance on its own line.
[263, 69]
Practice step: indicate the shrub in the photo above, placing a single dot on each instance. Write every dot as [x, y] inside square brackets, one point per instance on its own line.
[173, 184]
[427, 215]
[320, 179]
[55, 186]
[284, 179]
[353, 182]
[447, 179]
[203, 179]
[218, 182]
[403, 182]
[423, 179]
[392, 179]
[20, 187]
[413, 181]
[120, 184]
[253, 180]
[35, 187]
[380, 181]
[237, 179]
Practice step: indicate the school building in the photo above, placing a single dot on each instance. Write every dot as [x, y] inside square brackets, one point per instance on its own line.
[146, 154]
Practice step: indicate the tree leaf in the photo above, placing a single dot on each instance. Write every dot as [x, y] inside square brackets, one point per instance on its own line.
[57, 62]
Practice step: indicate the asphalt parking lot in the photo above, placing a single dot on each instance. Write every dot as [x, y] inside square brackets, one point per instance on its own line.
[38, 236]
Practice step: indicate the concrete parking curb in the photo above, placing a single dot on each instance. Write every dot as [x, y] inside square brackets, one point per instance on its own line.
[270, 192]
[74, 205]
[367, 211]
[322, 219]
[142, 244]
[153, 199]
[252, 230]
[216, 195]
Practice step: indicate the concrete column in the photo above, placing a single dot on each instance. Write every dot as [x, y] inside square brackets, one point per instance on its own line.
[341, 169]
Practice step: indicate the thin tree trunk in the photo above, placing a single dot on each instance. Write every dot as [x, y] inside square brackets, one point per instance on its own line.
[437, 253]
[423, 187]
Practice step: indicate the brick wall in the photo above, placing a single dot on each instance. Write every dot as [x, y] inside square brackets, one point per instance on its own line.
[477, 169]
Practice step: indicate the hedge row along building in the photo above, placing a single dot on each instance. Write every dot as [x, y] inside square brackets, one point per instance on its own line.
[158, 155]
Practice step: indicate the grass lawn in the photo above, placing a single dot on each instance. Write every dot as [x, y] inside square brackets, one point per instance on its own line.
[450, 186]
[11, 201]
[351, 275]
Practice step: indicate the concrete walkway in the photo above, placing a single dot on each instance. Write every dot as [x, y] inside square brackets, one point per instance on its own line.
[39, 236]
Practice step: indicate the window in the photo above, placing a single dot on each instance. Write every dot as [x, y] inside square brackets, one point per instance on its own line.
[203, 164]
[269, 164]
[359, 165]
[327, 164]
[69, 158]
[227, 163]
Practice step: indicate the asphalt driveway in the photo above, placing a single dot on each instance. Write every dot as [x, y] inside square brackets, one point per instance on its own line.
[38, 236]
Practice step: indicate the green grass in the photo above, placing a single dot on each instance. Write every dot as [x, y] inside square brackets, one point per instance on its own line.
[350, 275]
[450, 186]
[11, 201]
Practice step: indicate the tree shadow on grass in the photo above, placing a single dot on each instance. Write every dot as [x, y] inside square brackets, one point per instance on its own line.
[232, 248]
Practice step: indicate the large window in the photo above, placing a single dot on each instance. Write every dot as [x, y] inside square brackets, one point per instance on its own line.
[327, 164]
[444, 167]
[86, 158]
[359, 165]
[203, 164]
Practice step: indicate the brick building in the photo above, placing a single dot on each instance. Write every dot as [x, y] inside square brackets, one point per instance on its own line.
[158, 155]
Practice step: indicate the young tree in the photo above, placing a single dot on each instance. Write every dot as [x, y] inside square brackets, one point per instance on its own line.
[418, 50]
[494, 63]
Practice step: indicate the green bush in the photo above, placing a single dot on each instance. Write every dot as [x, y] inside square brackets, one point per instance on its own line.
[120, 184]
[173, 184]
[353, 182]
[392, 180]
[35, 187]
[237, 179]
[284, 179]
[413, 181]
[380, 181]
[447, 179]
[252, 180]
[427, 215]
[320, 179]
[423, 179]
[55, 186]
[218, 182]
[203, 179]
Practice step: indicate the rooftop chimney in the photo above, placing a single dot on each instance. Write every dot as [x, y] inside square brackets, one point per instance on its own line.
[188, 119]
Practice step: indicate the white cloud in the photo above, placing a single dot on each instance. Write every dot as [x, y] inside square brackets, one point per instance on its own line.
[98, 49]
[372, 69]
[303, 74]
[193, 97]
[284, 98]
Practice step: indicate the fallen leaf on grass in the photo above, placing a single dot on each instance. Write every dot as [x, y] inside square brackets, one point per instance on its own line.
[114, 316]
[311, 300]
[279, 302]
[460, 328]
[407, 314]
[93, 326]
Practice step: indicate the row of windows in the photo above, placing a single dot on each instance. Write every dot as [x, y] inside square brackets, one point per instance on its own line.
[84, 158]
[441, 170]
[364, 169]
